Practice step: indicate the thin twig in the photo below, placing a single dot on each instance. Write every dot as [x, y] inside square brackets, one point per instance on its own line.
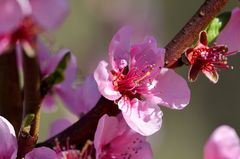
[186, 36]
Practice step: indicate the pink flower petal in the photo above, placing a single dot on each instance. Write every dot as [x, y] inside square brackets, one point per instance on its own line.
[64, 89]
[223, 144]
[10, 16]
[49, 13]
[43, 55]
[144, 117]
[68, 97]
[8, 141]
[58, 125]
[4, 43]
[230, 35]
[104, 83]
[51, 61]
[147, 54]
[41, 153]
[171, 89]
[87, 95]
[48, 103]
[131, 144]
[119, 48]
[106, 125]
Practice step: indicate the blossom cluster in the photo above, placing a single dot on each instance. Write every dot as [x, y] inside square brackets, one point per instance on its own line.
[135, 80]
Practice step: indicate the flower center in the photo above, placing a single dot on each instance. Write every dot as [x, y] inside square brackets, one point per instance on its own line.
[211, 58]
[70, 151]
[134, 82]
[26, 32]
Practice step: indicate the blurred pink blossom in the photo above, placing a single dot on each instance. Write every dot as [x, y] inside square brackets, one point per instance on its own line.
[48, 63]
[87, 96]
[22, 20]
[230, 35]
[224, 143]
[83, 99]
[114, 139]
[58, 125]
[138, 83]
[47, 14]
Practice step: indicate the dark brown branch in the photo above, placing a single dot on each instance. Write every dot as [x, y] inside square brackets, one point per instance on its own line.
[10, 92]
[190, 31]
[31, 104]
[85, 127]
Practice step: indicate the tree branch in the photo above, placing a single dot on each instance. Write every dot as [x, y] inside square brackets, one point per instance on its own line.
[186, 36]
[84, 129]
[10, 92]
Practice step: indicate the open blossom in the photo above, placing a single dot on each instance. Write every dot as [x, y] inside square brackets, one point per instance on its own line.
[22, 20]
[48, 63]
[224, 143]
[114, 140]
[137, 82]
[230, 35]
[207, 60]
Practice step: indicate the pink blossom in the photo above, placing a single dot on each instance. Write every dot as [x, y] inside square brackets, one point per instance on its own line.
[230, 35]
[9, 147]
[47, 14]
[22, 20]
[138, 83]
[224, 143]
[48, 63]
[206, 59]
[59, 125]
[114, 139]
[81, 100]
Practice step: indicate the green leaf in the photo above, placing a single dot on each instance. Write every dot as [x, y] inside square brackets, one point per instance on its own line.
[57, 76]
[216, 26]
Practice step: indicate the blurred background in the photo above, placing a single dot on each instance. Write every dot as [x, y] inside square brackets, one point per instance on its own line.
[88, 31]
